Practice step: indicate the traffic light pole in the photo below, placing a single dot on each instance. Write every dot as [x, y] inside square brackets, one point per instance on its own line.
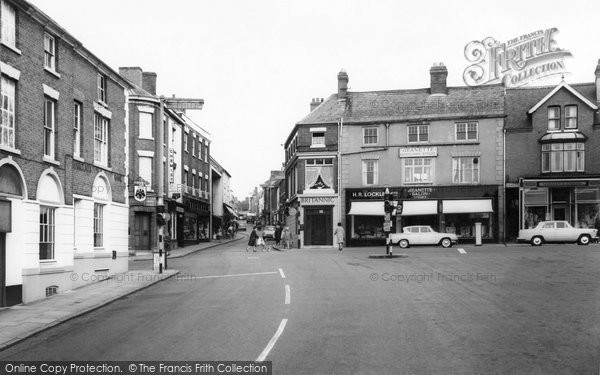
[162, 256]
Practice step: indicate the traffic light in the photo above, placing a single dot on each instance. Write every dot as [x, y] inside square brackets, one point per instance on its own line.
[161, 219]
[388, 205]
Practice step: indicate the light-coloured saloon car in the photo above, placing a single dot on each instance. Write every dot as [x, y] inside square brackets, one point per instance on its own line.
[557, 231]
[422, 235]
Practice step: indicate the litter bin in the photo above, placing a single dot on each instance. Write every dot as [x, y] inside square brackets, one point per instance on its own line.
[477, 234]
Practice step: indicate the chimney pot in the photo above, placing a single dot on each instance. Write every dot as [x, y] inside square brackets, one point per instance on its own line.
[342, 84]
[314, 104]
[438, 74]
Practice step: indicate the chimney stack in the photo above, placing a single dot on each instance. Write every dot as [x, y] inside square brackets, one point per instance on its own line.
[149, 82]
[438, 73]
[315, 103]
[342, 84]
[133, 74]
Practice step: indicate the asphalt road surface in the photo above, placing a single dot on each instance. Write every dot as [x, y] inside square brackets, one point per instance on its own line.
[493, 309]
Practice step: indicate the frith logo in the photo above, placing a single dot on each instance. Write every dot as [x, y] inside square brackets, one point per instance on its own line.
[517, 62]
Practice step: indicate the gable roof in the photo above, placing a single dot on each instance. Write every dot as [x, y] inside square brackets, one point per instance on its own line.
[562, 85]
[407, 105]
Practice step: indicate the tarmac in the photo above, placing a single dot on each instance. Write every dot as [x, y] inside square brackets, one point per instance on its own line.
[27, 319]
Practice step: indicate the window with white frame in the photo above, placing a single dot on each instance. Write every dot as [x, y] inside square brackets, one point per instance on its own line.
[49, 52]
[193, 146]
[370, 136]
[571, 117]
[47, 232]
[145, 168]
[77, 109]
[467, 131]
[318, 173]
[465, 170]
[318, 139]
[49, 126]
[554, 118]
[145, 125]
[101, 85]
[100, 139]
[8, 22]
[185, 142]
[185, 178]
[7, 112]
[205, 152]
[98, 225]
[418, 170]
[563, 157]
[418, 133]
[370, 171]
[193, 180]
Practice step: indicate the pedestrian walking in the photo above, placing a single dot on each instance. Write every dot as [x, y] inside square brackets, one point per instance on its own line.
[278, 231]
[339, 235]
[252, 240]
[260, 239]
[286, 237]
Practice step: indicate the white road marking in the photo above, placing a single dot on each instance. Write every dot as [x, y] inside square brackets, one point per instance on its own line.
[253, 257]
[281, 273]
[234, 275]
[271, 343]
[287, 294]
[461, 250]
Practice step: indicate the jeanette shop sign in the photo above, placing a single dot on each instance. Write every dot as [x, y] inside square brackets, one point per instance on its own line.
[417, 152]
[517, 62]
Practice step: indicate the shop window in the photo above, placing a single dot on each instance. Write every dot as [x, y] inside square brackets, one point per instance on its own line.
[554, 118]
[189, 228]
[370, 136]
[571, 117]
[465, 170]
[463, 225]
[563, 157]
[418, 133]
[533, 215]
[418, 170]
[368, 227]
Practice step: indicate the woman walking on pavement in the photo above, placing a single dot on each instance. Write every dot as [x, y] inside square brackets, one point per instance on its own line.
[252, 240]
[260, 240]
[339, 235]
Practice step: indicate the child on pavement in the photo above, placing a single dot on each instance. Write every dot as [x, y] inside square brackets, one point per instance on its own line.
[252, 240]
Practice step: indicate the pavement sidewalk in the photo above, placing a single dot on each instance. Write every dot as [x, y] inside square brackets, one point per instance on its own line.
[183, 251]
[22, 321]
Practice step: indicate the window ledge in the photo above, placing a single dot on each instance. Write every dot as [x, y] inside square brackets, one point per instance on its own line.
[78, 158]
[53, 72]
[10, 149]
[106, 168]
[48, 261]
[50, 160]
[12, 48]
[146, 138]
[318, 146]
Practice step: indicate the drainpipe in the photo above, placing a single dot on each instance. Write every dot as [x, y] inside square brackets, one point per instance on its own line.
[504, 185]
[387, 136]
[339, 157]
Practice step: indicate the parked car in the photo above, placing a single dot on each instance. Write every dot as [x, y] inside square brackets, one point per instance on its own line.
[241, 225]
[557, 231]
[269, 232]
[422, 235]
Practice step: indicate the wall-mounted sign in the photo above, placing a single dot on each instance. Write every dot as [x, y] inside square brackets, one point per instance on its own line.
[317, 201]
[139, 193]
[417, 152]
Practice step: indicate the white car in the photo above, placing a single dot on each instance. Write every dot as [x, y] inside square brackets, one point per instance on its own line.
[557, 231]
[422, 235]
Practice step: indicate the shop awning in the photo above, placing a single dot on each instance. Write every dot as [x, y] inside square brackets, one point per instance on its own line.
[417, 207]
[467, 206]
[367, 208]
[230, 210]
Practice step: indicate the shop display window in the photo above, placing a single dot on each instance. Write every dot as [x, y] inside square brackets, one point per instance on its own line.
[533, 215]
[463, 225]
[189, 228]
[369, 227]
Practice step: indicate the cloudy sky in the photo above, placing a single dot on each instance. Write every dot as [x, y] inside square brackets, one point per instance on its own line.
[257, 64]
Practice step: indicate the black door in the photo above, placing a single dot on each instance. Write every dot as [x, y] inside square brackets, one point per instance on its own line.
[318, 226]
[141, 231]
[2, 269]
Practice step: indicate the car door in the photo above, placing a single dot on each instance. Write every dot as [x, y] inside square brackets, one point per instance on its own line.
[426, 236]
[548, 231]
[564, 233]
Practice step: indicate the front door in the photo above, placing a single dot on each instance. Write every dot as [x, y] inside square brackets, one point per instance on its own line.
[2, 269]
[560, 212]
[141, 231]
[318, 226]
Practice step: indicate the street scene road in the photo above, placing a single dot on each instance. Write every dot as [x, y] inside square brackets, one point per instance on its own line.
[488, 309]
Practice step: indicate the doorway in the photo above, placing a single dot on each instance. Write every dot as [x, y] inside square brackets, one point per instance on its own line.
[318, 226]
[559, 212]
[141, 231]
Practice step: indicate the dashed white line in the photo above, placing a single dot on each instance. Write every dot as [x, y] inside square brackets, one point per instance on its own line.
[287, 294]
[461, 250]
[271, 343]
[281, 273]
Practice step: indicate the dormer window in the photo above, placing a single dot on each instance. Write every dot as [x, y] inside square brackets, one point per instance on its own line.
[554, 118]
[571, 117]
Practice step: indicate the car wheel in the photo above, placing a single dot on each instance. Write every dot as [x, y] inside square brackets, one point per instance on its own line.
[537, 241]
[403, 243]
[584, 240]
[446, 242]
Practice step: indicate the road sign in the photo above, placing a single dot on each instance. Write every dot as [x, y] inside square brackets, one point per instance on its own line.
[184, 103]
[387, 226]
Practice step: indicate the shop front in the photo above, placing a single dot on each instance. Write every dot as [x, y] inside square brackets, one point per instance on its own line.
[449, 209]
[574, 200]
[319, 215]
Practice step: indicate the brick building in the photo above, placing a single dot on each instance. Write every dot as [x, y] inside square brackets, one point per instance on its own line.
[63, 159]
[185, 165]
[438, 149]
[311, 175]
[553, 157]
